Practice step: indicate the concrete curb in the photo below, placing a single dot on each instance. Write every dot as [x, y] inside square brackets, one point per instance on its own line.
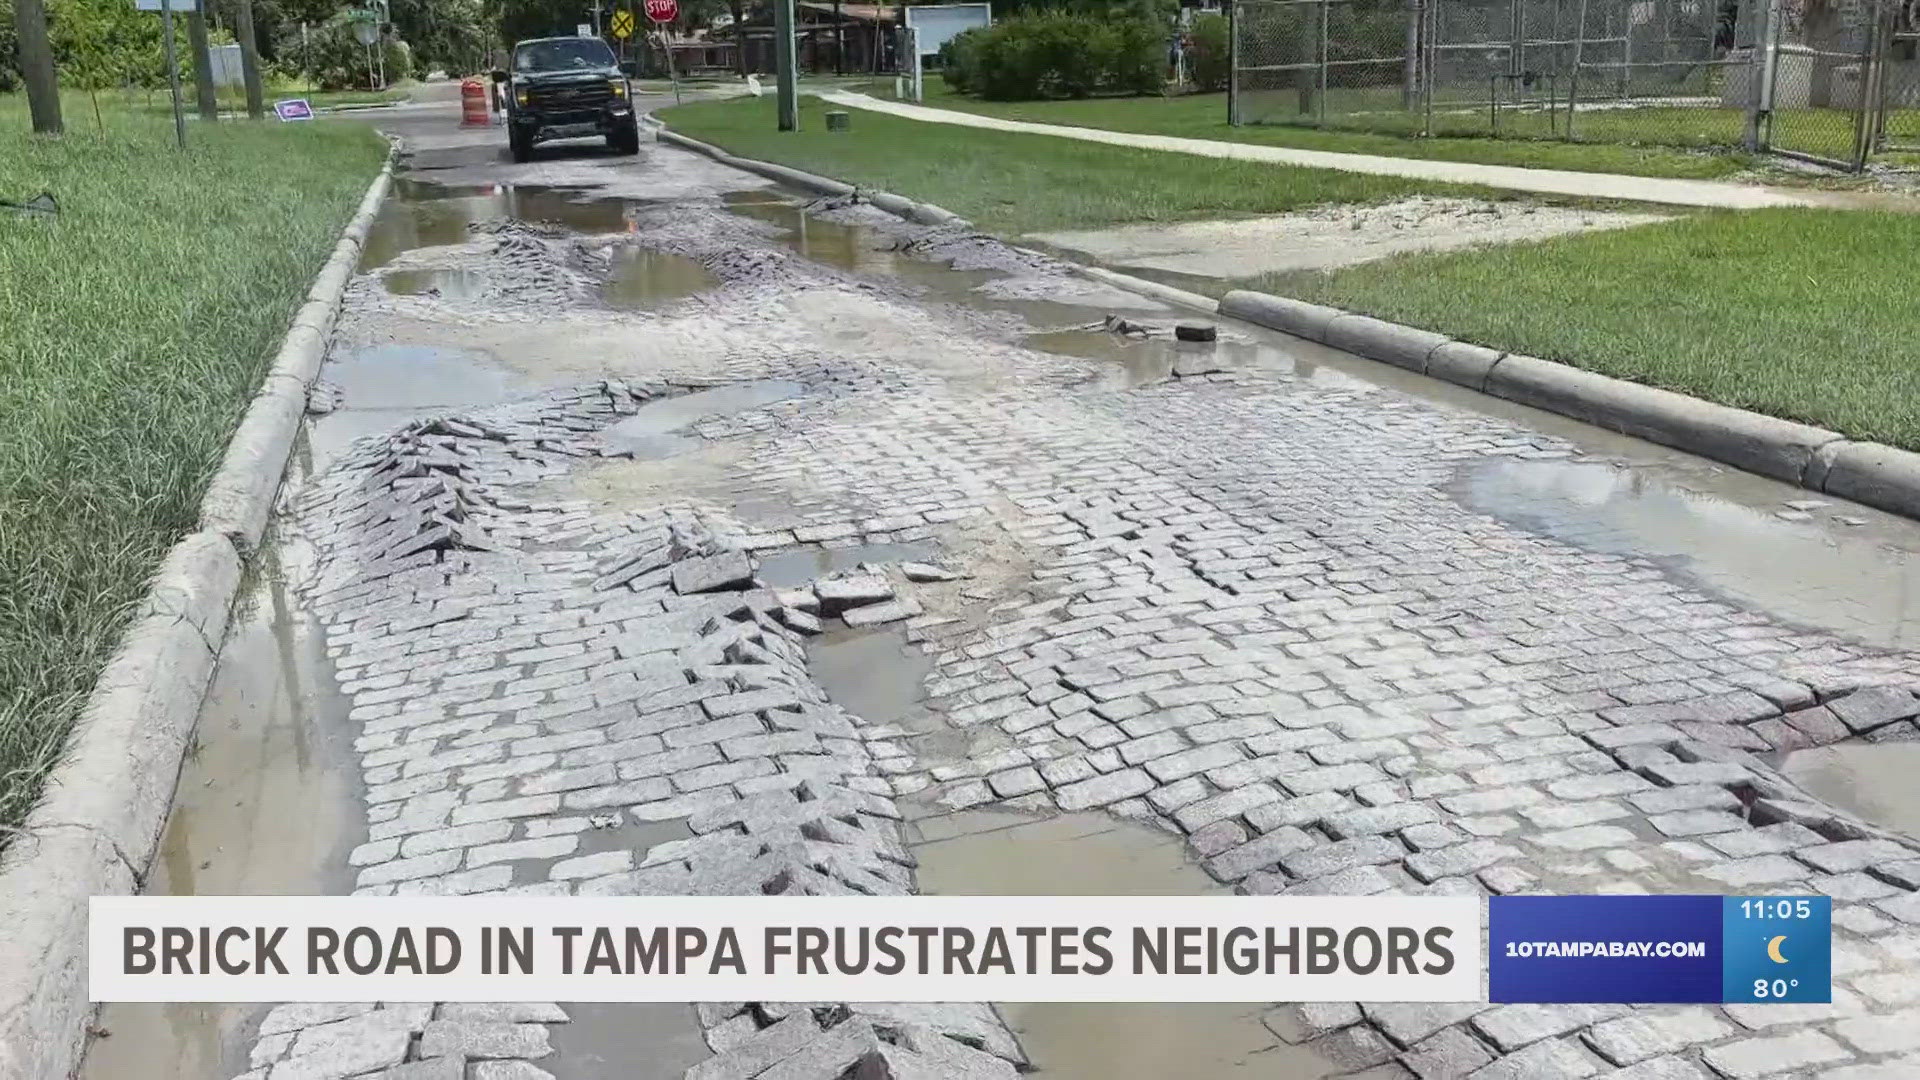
[1814, 458]
[1154, 289]
[99, 821]
[923, 214]
[899, 206]
[241, 495]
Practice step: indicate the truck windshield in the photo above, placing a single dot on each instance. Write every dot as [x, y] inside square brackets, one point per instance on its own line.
[562, 54]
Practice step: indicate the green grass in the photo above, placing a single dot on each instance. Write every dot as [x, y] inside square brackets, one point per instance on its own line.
[1012, 183]
[157, 102]
[1804, 314]
[1204, 116]
[137, 324]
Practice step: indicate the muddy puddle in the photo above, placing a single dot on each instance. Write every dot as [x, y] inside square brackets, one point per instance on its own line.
[880, 677]
[1874, 781]
[989, 852]
[1810, 572]
[789, 569]
[872, 252]
[625, 1041]
[643, 279]
[446, 283]
[267, 804]
[656, 431]
[873, 674]
[383, 386]
[424, 214]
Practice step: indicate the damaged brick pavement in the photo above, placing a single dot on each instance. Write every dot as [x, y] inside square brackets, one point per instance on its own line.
[1242, 607]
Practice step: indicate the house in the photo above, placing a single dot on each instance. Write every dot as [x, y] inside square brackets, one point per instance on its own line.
[832, 38]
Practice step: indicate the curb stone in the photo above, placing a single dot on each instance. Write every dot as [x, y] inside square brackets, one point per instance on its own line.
[1883, 477]
[100, 818]
[240, 497]
[900, 206]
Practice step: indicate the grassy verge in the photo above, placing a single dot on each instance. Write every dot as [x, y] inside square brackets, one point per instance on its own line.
[137, 324]
[1797, 313]
[80, 115]
[1012, 183]
[1203, 116]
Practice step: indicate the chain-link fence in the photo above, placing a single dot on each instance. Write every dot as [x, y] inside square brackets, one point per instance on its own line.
[1829, 79]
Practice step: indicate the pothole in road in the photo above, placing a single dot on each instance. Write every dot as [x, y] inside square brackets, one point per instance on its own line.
[874, 674]
[654, 431]
[790, 569]
[628, 1041]
[875, 252]
[423, 214]
[447, 283]
[1874, 781]
[991, 852]
[880, 677]
[383, 385]
[642, 279]
[1855, 583]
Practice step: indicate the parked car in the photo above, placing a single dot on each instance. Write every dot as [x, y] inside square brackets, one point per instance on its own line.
[567, 88]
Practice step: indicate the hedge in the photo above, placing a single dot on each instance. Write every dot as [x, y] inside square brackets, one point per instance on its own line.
[1056, 54]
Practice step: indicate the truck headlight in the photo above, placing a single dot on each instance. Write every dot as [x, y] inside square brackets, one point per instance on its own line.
[520, 97]
[619, 88]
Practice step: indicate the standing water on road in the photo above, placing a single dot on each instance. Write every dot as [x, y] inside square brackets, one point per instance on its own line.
[994, 852]
[1857, 583]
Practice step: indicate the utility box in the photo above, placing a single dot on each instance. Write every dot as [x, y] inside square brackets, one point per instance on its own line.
[226, 66]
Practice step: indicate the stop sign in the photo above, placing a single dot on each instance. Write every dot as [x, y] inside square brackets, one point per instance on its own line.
[662, 11]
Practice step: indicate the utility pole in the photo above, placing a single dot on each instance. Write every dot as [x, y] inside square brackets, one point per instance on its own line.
[839, 41]
[173, 74]
[203, 90]
[36, 66]
[785, 65]
[249, 58]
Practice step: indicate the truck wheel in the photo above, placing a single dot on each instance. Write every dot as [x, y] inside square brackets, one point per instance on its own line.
[521, 145]
[624, 141]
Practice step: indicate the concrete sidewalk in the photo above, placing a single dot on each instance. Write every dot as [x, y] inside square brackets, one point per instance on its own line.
[1709, 193]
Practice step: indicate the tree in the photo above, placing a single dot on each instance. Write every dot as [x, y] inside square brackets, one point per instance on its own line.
[36, 66]
[249, 59]
[202, 65]
[449, 34]
[102, 43]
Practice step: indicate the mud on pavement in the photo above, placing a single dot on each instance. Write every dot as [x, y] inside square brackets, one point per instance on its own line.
[680, 537]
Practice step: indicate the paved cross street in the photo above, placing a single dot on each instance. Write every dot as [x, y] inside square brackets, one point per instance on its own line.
[658, 532]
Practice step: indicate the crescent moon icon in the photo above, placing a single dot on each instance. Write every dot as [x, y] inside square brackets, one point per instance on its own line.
[1773, 949]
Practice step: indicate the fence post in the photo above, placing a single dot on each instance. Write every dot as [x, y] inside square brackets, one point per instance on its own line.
[1320, 95]
[1573, 77]
[1760, 113]
[1429, 34]
[1410, 74]
[1233, 63]
[1864, 109]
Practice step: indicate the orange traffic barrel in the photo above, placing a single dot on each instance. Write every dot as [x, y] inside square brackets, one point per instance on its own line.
[473, 103]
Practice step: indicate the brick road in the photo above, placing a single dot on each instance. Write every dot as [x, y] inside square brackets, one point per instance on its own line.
[1242, 604]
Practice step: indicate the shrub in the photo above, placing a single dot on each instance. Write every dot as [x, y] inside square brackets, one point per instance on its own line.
[1061, 54]
[1207, 55]
[960, 60]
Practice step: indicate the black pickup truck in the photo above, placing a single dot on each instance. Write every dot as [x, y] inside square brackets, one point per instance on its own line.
[567, 88]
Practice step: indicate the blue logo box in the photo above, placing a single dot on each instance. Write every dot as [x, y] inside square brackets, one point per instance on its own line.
[1660, 949]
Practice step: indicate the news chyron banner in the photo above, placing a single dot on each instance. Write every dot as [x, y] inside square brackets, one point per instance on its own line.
[1701, 949]
[783, 948]
[962, 948]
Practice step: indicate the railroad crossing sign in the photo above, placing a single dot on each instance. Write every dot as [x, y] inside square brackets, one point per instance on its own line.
[663, 11]
[622, 25]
